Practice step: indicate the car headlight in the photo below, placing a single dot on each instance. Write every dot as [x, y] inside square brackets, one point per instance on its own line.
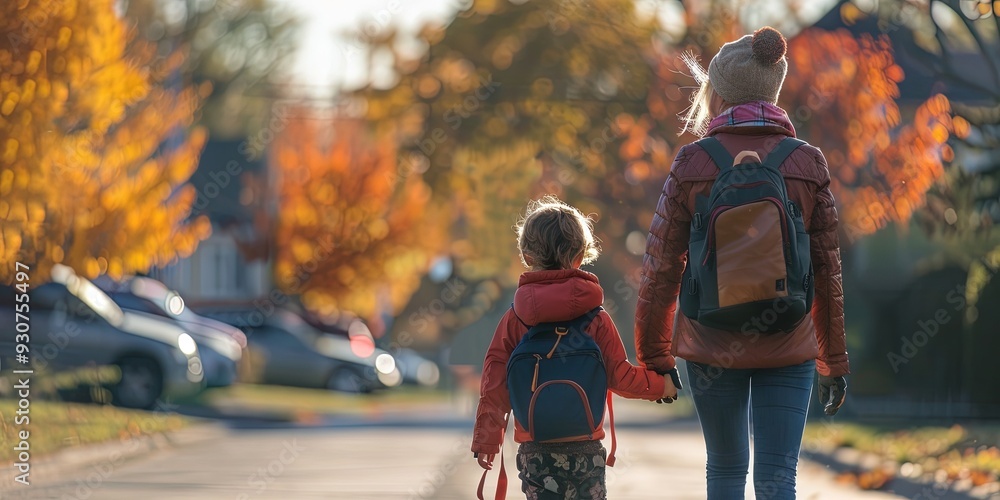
[428, 373]
[385, 363]
[391, 379]
[186, 344]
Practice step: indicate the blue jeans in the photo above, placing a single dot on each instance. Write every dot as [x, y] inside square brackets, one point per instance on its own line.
[778, 399]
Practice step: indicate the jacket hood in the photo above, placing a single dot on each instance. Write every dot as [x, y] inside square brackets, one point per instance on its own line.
[558, 295]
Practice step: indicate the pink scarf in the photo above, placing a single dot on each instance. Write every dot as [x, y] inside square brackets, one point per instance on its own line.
[752, 114]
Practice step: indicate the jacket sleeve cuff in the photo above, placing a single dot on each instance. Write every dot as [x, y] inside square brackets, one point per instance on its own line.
[656, 387]
[836, 369]
[488, 449]
[660, 364]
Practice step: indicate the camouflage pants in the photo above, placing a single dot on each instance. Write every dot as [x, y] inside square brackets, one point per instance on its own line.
[562, 471]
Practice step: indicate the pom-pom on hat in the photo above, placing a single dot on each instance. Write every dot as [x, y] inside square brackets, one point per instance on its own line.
[751, 68]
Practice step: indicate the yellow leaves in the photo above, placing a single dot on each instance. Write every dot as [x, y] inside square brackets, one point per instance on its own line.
[34, 58]
[6, 181]
[9, 153]
[9, 103]
[79, 159]
[65, 35]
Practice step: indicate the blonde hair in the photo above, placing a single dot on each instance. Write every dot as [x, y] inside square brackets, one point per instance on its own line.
[699, 114]
[552, 234]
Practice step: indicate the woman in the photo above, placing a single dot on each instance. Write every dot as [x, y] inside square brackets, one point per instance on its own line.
[736, 374]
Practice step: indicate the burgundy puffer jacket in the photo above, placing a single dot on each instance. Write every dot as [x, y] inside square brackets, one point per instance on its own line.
[661, 332]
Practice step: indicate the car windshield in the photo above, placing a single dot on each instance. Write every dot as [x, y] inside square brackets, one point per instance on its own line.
[129, 301]
[96, 299]
[297, 326]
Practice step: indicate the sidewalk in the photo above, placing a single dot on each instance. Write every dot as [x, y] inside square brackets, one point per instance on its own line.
[654, 461]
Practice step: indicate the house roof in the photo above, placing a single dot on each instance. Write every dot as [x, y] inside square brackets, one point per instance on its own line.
[234, 203]
[925, 73]
[222, 175]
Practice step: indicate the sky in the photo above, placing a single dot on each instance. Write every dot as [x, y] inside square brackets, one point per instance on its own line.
[331, 58]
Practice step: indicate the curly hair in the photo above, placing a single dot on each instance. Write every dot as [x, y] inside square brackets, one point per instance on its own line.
[552, 234]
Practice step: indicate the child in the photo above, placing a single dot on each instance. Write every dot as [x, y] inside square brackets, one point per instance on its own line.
[554, 240]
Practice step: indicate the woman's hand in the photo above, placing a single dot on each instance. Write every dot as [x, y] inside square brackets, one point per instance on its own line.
[485, 460]
[832, 391]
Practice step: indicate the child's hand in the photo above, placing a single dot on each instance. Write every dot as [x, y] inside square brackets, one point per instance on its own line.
[669, 390]
[485, 460]
[671, 383]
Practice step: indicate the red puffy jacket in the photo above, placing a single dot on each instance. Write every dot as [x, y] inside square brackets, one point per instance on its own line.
[661, 333]
[547, 296]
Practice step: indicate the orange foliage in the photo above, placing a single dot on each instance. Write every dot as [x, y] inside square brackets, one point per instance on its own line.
[841, 92]
[352, 225]
[93, 161]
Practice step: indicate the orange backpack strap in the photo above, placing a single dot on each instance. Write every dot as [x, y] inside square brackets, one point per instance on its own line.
[614, 440]
[502, 480]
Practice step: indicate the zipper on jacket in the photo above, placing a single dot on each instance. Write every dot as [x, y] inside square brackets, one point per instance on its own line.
[534, 379]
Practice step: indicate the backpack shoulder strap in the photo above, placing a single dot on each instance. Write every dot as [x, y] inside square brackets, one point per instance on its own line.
[584, 321]
[610, 461]
[518, 317]
[717, 151]
[501, 493]
[780, 152]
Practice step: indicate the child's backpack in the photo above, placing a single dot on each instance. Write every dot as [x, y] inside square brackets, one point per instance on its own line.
[558, 387]
[749, 268]
[557, 381]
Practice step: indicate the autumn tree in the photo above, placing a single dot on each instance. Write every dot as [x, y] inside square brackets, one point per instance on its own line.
[95, 144]
[513, 100]
[958, 41]
[349, 230]
[241, 47]
[844, 89]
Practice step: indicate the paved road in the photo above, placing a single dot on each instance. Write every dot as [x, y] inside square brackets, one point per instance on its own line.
[414, 458]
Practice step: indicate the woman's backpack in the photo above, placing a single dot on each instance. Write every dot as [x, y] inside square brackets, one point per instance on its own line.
[749, 267]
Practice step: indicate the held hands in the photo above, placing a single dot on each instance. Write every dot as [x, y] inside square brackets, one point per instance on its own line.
[485, 460]
[671, 384]
[832, 391]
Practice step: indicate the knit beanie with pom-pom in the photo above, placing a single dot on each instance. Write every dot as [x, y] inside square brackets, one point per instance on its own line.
[751, 68]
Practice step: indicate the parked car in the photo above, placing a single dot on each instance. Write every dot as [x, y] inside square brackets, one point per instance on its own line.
[221, 345]
[415, 369]
[172, 303]
[293, 353]
[74, 324]
[220, 354]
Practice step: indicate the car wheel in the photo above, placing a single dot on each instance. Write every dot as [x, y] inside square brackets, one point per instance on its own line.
[346, 380]
[140, 385]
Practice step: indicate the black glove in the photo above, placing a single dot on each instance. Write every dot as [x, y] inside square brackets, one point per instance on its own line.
[676, 379]
[832, 391]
